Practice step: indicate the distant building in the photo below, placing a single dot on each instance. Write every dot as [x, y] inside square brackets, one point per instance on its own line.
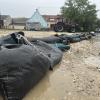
[52, 20]
[5, 21]
[19, 23]
[36, 22]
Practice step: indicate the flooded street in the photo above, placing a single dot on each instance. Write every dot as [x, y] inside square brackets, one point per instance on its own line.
[77, 77]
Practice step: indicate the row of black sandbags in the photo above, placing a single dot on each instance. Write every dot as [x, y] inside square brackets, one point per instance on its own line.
[62, 41]
[64, 38]
[23, 64]
[76, 37]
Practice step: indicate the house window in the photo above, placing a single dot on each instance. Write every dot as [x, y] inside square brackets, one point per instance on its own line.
[52, 19]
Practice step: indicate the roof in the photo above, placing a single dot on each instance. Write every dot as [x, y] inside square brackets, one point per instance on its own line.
[19, 21]
[3, 17]
[37, 18]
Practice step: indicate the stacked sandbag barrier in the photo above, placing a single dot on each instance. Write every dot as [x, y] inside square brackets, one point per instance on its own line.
[23, 64]
[51, 39]
[65, 39]
[76, 37]
[62, 41]
[55, 41]
[18, 38]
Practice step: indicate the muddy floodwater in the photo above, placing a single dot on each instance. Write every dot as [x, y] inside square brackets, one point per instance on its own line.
[77, 77]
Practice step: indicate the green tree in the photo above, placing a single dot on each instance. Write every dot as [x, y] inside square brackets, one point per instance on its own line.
[82, 12]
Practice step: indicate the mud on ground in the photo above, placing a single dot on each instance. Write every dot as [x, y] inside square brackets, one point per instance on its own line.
[77, 77]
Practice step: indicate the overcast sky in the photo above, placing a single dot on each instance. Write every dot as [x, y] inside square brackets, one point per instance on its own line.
[25, 8]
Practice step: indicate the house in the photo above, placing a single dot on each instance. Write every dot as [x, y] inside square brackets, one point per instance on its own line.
[36, 22]
[19, 23]
[52, 20]
[5, 21]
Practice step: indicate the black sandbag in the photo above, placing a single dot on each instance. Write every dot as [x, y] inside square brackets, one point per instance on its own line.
[63, 38]
[23, 65]
[76, 37]
[54, 54]
[11, 38]
[84, 36]
[50, 39]
[7, 40]
[71, 38]
[20, 69]
[61, 46]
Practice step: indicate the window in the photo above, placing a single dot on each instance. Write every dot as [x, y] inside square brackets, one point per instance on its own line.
[52, 19]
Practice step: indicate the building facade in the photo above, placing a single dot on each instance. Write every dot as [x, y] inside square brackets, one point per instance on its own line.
[36, 22]
[5, 21]
[52, 20]
[19, 23]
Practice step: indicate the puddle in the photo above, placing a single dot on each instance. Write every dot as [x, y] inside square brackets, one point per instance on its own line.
[52, 87]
